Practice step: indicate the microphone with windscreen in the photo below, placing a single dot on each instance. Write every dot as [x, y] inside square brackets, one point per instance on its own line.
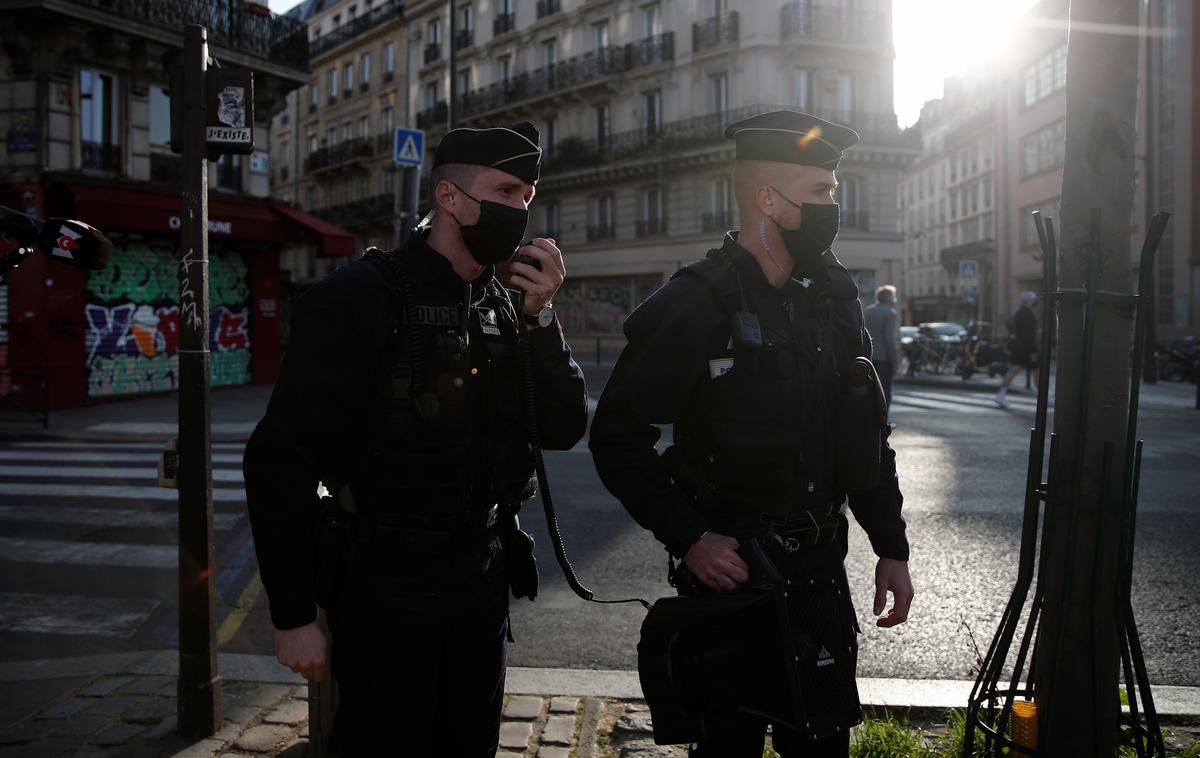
[70, 242]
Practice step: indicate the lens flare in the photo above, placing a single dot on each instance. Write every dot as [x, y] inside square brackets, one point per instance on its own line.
[804, 140]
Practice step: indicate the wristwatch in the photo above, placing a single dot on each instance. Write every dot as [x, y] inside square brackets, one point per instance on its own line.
[543, 318]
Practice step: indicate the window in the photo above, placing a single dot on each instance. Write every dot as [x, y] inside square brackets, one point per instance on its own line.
[364, 68]
[431, 95]
[331, 136]
[364, 126]
[387, 116]
[312, 198]
[160, 116]
[651, 20]
[718, 217]
[389, 59]
[229, 172]
[434, 35]
[652, 222]
[333, 84]
[853, 216]
[364, 186]
[600, 35]
[603, 124]
[464, 81]
[1044, 149]
[550, 215]
[347, 130]
[802, 88]
[845, 94]
[504, 65]
[348, 79]
[1046, 75]
[718, 93]
[603, 225]
[465, 17]
[99, 128]
[550, 138]
[549, 52]
[720, 7]
[653, 102]
[312, 142]
[504, 7]
[314, 95]
[1060, 67]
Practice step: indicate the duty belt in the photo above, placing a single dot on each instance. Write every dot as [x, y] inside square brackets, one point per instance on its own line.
[426, 535]
[820, 525]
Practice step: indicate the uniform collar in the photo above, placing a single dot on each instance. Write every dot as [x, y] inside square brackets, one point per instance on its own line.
[427, 266]
[753, 276]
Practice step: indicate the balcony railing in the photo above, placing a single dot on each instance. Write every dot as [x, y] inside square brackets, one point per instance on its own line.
[597, 232]
[340, 153]
[100, 156]
[548, 7]
[573, 72]
[231, 24]
[698, 132]
[384, 142]
[715, 32]
[854, 218]
[504, 22]
[801, 19]
[433, 51]
[386, 11]
[650, 227]
[165, 168]
[359, 213]
[464, 38]
[431, 117]
[719, 221]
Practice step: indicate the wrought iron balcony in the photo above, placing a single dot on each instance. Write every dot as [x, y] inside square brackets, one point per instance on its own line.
[548, 7]
[369, 211]
[856, 218]
[504, 22]
[715, 32]
[384, 141]
[343, 152]
[801, 19]
[434, 116]
[433, 51]
[719, 221]
[597, 232]
[464, 38]
[100, 156]
[166, 168]
[233, 24]
[582, 69]
[385, 11]
[650, 227]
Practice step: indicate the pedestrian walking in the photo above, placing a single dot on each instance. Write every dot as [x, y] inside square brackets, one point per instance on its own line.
[1022, 345]
[883, 324]
[401, 391]
[743, 353]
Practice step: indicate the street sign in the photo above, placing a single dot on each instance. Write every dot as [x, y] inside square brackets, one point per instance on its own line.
[968, 273]
[970, 295]
[410, 146]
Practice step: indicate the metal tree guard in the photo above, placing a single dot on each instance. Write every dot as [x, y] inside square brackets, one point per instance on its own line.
[991, 703]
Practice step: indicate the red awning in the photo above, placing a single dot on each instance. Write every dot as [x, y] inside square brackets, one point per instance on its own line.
[115, 208]
[335, 242]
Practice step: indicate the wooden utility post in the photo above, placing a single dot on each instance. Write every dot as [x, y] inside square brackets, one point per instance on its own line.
[1077, 656]
[199, 682]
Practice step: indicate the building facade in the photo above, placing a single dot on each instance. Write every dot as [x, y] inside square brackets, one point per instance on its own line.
[947, 208]
[87, 118]
[632, 99]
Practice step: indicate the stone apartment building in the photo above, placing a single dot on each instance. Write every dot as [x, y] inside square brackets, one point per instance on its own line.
[85, 107]
[632, 98]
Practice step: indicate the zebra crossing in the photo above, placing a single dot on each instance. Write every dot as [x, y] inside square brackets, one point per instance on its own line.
[89, 543]
[910, 399]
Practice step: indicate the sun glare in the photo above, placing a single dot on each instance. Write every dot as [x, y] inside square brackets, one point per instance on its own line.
[939, 38]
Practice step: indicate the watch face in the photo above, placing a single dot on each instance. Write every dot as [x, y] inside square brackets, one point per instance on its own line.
[545, 316]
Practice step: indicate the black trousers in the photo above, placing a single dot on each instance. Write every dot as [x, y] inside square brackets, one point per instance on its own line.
[419, 675]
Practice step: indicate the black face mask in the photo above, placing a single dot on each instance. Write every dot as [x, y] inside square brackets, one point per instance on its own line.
[818, 228]
[497, 234]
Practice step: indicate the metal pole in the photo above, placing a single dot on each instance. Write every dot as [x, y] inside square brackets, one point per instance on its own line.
[199, 684]
[451, 116]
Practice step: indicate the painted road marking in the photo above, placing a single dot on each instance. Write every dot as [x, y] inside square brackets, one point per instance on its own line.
[91, 456]
[114, 472]
[19, 550]
[121, 517]
[73, 614]
[113, 492]
[107, 445]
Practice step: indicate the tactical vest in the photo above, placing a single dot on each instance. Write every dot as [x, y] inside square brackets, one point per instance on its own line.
[446, 437]
[757, 433]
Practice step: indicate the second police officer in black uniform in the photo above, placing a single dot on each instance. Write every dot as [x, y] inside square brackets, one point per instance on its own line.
[402, 392]
[737, 353]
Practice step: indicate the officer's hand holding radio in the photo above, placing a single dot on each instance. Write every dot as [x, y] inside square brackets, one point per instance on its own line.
[714, 561]
[537, 270]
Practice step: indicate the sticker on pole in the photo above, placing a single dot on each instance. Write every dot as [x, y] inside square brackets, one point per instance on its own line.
[230, 110]
[410, 146]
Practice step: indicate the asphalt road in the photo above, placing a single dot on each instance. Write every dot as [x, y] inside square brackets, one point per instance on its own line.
[88, 548]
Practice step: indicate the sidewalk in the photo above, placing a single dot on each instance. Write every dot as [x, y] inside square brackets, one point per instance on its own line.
[127, 703]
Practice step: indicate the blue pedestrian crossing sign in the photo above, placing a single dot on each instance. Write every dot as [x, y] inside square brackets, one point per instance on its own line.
[410, 146]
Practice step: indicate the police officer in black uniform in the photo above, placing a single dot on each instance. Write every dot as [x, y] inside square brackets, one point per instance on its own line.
[402, 392]
[737, 352]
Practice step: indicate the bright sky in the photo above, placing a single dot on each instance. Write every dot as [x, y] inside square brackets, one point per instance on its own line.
[940, 38]
[934, 39]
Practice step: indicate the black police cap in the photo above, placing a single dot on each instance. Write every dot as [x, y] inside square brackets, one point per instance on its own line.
[791, 137]
[512, 149]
